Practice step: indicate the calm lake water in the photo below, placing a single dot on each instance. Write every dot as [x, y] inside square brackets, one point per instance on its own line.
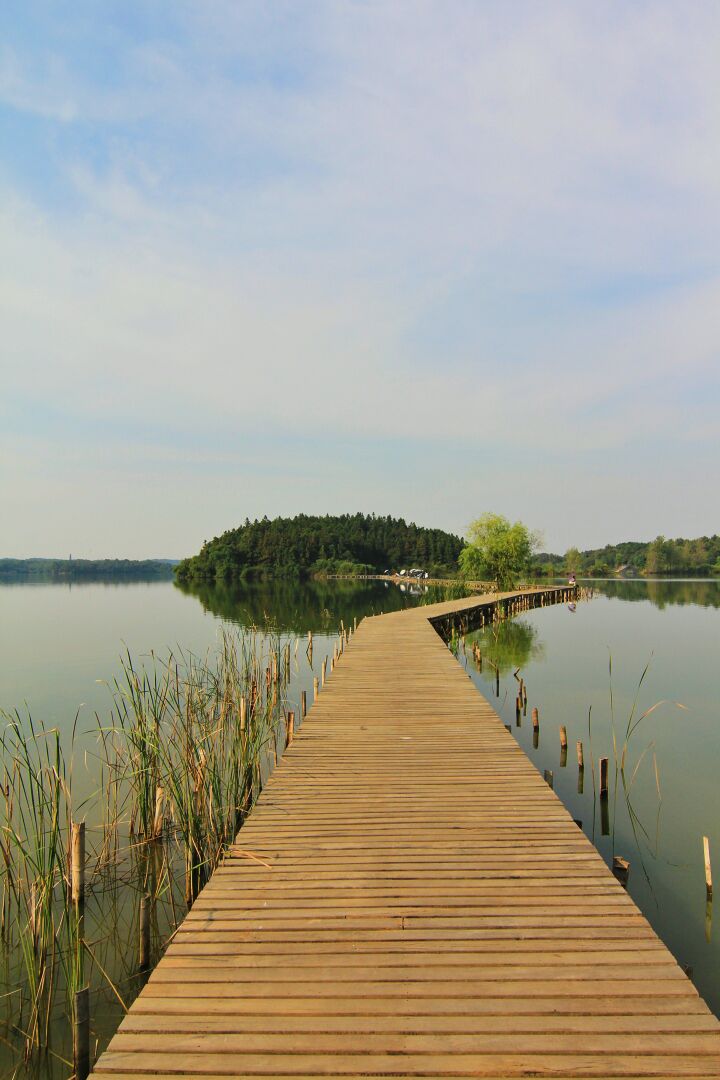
[60, 646]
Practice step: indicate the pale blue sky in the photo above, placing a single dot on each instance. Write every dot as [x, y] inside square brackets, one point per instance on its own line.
[420, 258]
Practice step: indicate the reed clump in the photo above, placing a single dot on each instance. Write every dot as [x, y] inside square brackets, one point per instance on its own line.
[177, 766]
[191, 740]
[40, 926]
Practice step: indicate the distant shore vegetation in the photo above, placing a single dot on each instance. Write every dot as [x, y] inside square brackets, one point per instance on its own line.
[306, 545]
[656, 558]
[85, 569]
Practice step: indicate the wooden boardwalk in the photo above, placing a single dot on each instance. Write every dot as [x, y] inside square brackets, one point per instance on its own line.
[410, 899]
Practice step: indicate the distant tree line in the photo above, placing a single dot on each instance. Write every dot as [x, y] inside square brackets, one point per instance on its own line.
[85, 569]
[658, 557]
[307, 545]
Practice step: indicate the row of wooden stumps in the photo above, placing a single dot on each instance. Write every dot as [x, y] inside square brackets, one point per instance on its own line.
[319, 683]
[620, 866]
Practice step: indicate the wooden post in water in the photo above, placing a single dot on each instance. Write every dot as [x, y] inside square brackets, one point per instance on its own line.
[323, 672]
[621, 870]
[563, 737]
[580, 757]
[708, 868]
[316, 688]
[535, 718]
[303, 704]
[290, 729]
[603, 777]
[77, 862]
[145, 932]
[549, 777]
[81, 1034]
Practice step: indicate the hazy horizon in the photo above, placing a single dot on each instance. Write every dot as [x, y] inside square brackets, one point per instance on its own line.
[543, 547]
[430, 262]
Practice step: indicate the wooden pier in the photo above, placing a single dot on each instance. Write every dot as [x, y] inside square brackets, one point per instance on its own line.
[409, 898]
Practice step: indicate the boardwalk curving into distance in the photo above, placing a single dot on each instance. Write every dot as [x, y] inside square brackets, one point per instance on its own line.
[410, 899]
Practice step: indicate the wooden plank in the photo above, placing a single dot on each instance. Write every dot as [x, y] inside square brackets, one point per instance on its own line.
[603, 1064]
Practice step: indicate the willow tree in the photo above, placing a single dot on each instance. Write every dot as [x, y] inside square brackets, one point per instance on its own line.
[497, 550]
[572, 559]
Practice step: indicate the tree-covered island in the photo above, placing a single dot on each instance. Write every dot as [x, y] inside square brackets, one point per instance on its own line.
[308, 545]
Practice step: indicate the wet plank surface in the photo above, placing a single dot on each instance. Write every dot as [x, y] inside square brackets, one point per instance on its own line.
[410, 899]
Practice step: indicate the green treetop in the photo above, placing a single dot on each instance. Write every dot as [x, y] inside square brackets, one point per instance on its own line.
[572, 560]
[497, 550]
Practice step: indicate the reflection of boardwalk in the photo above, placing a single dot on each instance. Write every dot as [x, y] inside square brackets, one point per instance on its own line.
[409, 898]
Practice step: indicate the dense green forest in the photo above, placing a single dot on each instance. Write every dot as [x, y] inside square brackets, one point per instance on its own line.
[345, 544]
[85, 569]
[656, 557]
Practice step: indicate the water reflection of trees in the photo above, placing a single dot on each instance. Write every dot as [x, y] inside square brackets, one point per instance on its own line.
[511, 644]
[297, 606]
[663, 593]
